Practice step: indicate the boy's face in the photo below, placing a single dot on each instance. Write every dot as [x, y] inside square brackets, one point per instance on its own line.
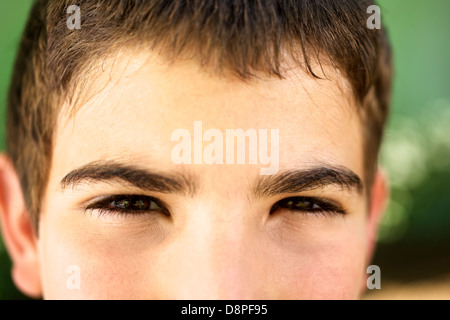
[122, 218]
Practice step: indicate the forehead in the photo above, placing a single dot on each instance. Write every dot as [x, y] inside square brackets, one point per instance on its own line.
[132, 103]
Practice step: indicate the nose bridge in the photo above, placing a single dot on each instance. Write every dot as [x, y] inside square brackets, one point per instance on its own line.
[215, 254]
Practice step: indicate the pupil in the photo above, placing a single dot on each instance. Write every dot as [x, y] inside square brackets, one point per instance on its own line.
[122, 204]
[139, 204]
[130, 203]
[302, 204]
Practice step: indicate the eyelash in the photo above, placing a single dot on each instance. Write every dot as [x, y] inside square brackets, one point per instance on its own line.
[303, 205]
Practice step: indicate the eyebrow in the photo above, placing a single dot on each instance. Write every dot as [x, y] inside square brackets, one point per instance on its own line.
[111, 171]
[292, 181]
[295, 181]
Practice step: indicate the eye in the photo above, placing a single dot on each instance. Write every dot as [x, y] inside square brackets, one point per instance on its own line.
[128, 204]
[308, 205]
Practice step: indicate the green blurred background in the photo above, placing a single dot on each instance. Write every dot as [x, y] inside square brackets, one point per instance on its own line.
[414, 245]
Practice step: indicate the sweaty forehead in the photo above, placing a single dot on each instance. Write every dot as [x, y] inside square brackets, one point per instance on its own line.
[129, 105]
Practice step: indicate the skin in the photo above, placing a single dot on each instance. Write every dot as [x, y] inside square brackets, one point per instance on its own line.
[220, 241]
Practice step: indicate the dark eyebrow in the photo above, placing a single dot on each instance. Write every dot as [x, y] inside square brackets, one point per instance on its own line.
[111, 171]
[308, 179]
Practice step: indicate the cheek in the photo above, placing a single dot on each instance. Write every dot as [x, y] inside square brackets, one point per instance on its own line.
[324, 264]
[331, 272]
[79, 261]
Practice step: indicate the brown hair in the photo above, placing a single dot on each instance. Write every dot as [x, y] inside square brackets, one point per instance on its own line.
[242, 36]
